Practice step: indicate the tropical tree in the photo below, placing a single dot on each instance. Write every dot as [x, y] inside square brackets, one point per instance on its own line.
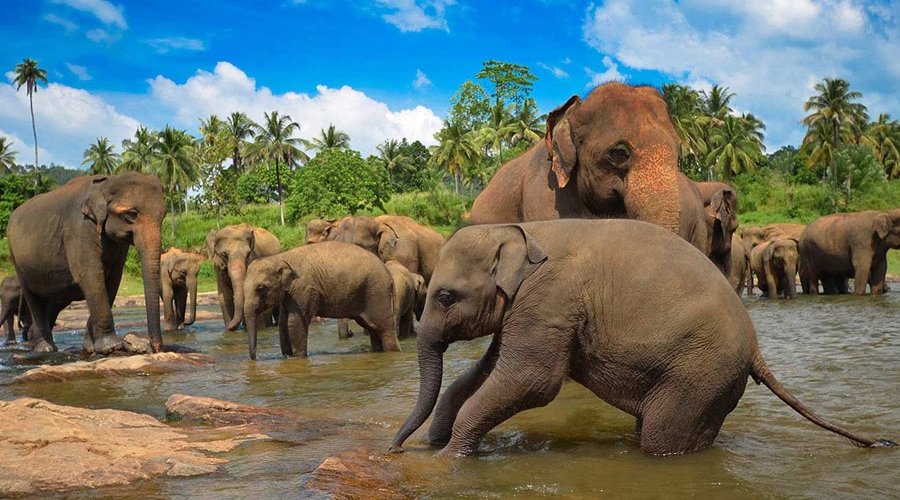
[238, 129]
[275, 142]
[28, 73]
[392, 155]
[457, 149]
[497, 130]
[137, 153]
[686, 110]
[101, 158]
[527, 124]
[174, 162]
[735, 148]
[883, 136]
[7, 156]
[716, 103]
[835, 115]
[329, 138]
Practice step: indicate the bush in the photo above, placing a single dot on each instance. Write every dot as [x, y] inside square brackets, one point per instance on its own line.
[336, 183]
[439, 207]
[807, 202]
[16, 189]
[260, 184]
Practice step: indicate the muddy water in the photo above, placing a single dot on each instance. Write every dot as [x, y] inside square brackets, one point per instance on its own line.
[840, 355]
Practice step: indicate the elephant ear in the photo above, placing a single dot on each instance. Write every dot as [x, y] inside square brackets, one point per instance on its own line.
[387, 240]
[286, 275]
[518, 256]
[722, 208]
[560, 144]
[882, 225]
[94, 206]
[211, 245]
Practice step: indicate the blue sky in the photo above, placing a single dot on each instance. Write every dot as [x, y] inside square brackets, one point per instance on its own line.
[387, 68]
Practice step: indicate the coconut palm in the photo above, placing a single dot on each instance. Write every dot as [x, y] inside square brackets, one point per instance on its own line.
[735, 148]
[101, 157]
[716, 103]
[7, 156]
[137, 153]
[496, 131]
[275, 142]
[238, 129]
[392, 155]
[28, 73]
[329, 138]
[174, 162]
[884, 138]
[527, 124]
[457, 148]
[833, 120]
[214, 140]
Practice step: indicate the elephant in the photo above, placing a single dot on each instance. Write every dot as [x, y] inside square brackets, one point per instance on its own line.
[409, 290]
[775, 265]
[12, 306]
[740, 277]
[720, 202]
[318, 229]
[393, 237]
[329, 279]
[836, 247]
[231, 250]
[179, 279]
[71, 244]
[587, 308]
[785, 230]
[612, 155]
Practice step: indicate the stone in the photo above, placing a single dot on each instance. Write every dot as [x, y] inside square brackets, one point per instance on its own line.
[356, 474]
[136, 345]
[162, 362]
[51, 448]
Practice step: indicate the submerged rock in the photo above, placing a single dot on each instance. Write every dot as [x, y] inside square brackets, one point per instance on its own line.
[162, 362]
[50, 448]
[356, 474]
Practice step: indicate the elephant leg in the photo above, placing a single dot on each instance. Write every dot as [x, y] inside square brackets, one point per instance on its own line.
[381, 332]
[296, 336]
[283, 339]
[344, 329]
[9, 322]
[168, 294]
[405, 326]
[104, 331]
[878, 276]
[771, 283]
[40, 336]
[862, 267]
[225, 295]
[459, 391]
[180, 306]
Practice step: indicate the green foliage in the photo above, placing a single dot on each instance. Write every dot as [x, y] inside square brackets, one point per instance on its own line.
[470, 106]
[259, 184]
[16, 189]
[337, 182]
[218, 190]
[510, 82]
[438, 207]
[407, 165]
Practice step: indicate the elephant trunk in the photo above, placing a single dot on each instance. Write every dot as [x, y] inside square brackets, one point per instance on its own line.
[652, 189]
[147, 242]
[790, 281]
[431, 370]
[236, 272]
[251, 335]
[192, 289]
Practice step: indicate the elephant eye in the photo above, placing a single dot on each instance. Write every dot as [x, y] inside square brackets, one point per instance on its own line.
[445, 297]
[619, 154]
[130, 215]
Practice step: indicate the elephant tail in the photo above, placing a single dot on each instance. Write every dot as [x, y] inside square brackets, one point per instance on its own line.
[761, 374]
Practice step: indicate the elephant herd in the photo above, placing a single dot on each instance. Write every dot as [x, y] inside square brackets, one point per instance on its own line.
[562, 297]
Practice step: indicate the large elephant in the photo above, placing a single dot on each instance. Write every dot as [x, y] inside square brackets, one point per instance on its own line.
[775, 264]
[588, 308]
[12, 305]
[71, 244]
[231, 249]
[179, 280]
[408, 295]
[740, 276]
[836, 247]
[613, 155]
[328, 279]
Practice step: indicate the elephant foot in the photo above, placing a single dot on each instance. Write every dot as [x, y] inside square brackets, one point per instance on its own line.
[107, 344]
[11, 342]
[43, 346]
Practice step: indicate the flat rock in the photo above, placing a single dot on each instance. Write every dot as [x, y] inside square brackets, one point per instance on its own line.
[162, 362]
[356, 474]
[50, 448]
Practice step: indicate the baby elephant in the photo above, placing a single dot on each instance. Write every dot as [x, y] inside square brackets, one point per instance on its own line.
[775, 264]
[12, 304]
[328, 279]
[409, 292]
[178, 279]
[587, 308]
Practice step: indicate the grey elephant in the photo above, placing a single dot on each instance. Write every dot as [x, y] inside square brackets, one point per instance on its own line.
[586, 308]
[408, 295]
[179, 270]
[328, 279]
[740, 274]
[775, 263]
[13, 306]
[318, 229]
[71, 243]
[836, 247]
[231, 249]
[720, 202]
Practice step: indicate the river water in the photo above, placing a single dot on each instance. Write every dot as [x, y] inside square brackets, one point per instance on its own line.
[839, 355]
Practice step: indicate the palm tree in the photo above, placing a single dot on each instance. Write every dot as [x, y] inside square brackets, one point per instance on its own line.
[275, 142]
[137, 153]
[329, 138]
[527, 124]
[735, 147]
[175, 164]
[498, 129]
[101, 157]
[457, 148]
[716, 103]
[686, 110]
[392, 155]
[7, 156]
[238, 128]
[214, 140]
[884, 138]
[28, 73]
[834, 116]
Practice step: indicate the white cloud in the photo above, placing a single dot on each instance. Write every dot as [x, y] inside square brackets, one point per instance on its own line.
[25, 150]
[555, 70]
[228, 88]
[80, 71]
[100, 36]
[421, 82]
[611, 73]
[768, 51]
[68, 25]
[415, 16]
[106, 12]
[167, 44]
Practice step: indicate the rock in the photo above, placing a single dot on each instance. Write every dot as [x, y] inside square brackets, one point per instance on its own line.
[44, 358]
[356, 474]
[50, 448]
[136, 345]
[162, 362]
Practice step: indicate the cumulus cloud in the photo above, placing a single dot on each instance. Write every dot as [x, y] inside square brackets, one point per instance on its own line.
[79, 71]
[609, 74]
[25, 150]
[769, 52]
[421, 82]
[167, 44]
[67, 25]
[227, 88]
[415, 16]
[106, 12]
[555, 70]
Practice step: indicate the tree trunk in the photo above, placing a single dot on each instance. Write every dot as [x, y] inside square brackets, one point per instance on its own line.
[34, 133]
[456, 182]
[280, 194]
[173, 219]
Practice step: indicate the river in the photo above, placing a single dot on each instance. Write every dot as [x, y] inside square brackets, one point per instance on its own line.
[839, 355]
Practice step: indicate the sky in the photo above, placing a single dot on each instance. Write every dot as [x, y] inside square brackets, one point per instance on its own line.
[380, 69]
